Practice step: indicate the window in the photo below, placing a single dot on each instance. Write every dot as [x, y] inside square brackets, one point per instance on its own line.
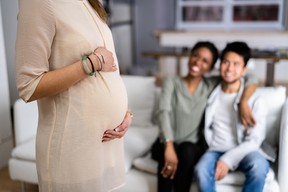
[230, 14]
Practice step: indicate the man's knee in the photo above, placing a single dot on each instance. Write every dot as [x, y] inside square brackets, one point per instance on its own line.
[258, 166]
[201, 170]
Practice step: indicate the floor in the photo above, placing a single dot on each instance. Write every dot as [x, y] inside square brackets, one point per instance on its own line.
[7, 185]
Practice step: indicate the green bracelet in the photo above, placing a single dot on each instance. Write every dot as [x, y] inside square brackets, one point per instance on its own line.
[85, 66]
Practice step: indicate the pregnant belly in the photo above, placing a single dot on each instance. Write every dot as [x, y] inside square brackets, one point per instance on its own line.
[88, 109]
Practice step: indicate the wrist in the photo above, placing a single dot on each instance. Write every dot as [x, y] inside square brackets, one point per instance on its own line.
[168, 143]
[100, 60]
[96, 62]
[243, 100]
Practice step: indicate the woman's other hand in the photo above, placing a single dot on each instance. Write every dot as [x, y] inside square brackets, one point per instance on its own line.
[119, 131]
[171, 161]
[106, 59]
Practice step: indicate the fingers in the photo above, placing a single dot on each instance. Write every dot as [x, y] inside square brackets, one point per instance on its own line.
[169, 171]
[245, 124]
[248, 122]
[251, 121]
[221, 170]
[116, 133]
[218, 175]
[108, 137]
[246, 114]
[112, 134]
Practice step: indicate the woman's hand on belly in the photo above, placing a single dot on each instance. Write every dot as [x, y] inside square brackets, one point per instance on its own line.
[119, 131]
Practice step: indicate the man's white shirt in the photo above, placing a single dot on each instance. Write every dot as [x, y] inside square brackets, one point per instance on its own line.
[224, 128]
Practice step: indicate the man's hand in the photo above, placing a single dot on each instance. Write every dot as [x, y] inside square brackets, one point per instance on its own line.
[221, 170]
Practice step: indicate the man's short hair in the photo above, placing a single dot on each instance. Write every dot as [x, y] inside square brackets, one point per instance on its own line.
[241, 48]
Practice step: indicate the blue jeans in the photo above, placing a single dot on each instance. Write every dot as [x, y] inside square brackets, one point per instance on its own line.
[254, 166]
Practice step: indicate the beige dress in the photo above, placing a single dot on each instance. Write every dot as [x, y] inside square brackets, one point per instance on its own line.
[69, 153]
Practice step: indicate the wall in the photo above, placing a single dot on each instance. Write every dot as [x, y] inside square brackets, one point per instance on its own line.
[121, 24]
[149, 16]
[260, 40]
[152, 16]
[9, 16]
[6, 142]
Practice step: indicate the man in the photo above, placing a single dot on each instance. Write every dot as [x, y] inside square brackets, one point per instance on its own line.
[231, 145]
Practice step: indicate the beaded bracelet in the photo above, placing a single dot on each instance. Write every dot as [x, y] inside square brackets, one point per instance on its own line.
[85, 66]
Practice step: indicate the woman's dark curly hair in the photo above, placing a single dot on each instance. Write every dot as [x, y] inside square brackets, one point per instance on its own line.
[211, 47]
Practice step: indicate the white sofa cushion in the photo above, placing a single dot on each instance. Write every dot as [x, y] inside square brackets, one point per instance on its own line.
[24, 171]
[25, 121]
[141, 97]
[146, 163]
[283, 149]
[139, 181]
[25, 151]
[137, 142]
[274, 98]
[238, 178]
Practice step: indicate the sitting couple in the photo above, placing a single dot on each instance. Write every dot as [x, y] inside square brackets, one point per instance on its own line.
[227, 138]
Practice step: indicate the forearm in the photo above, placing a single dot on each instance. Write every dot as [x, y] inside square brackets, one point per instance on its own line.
[164, 110]
[251, 142]
[165, 126]
[57, 81]
[250, 79]
[248, 92]
[234, 156]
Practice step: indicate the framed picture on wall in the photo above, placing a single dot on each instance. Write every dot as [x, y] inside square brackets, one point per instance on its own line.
[230, 14]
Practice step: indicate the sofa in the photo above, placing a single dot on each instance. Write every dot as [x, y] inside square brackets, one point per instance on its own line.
[143, 97]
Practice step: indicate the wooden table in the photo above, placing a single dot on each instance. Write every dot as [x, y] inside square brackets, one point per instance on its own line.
[271, 60]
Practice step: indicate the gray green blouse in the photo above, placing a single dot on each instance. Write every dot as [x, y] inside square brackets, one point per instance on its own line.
[180, 113]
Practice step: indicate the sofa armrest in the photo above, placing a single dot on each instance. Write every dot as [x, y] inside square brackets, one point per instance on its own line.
[25, 120]
[283, 149]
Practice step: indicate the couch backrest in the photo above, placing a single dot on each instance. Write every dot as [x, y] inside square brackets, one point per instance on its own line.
[274, 98]
[142, 96]
[141, 92]
[25, 120]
